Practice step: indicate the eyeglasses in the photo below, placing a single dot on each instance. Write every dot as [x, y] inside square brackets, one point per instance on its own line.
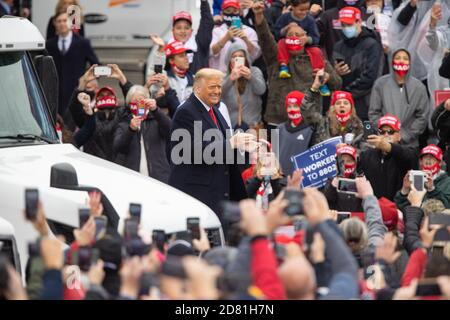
[383, 132]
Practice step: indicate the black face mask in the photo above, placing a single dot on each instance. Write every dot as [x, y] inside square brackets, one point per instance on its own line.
[101, 115]
[228, 18]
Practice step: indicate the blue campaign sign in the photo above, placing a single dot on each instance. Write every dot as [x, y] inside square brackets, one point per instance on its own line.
[318, 163]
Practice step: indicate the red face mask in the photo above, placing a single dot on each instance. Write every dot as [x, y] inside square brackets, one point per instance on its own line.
[434, 169]
[401, 68]
[349, 170]
[343, 118]
[293, 44]
[295, 116]
[178, 71]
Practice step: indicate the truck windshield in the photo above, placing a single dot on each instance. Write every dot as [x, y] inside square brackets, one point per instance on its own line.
[24, 117]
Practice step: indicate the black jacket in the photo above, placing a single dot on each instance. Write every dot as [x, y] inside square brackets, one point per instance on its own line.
[364, 56]
[71, 66]
[440, 120]
[209, 183]
[203, 38]
[413, 218]
[341, 201]
[444, 70]
[386, 172]
[254, 183]
[329, 26]
[155, 131]
[100, 144]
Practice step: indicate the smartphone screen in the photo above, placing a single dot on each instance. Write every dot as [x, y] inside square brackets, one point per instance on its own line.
[102, 71]
[135, 211]
[341, 216]
[84, 258]
[418, 180]
[368, 129]
[84, 215]
[348, 186]
[131, 229]
[428, 287]
[31, 203]
[193, 226]
[100, 227]
[158, 68]
[439, 219]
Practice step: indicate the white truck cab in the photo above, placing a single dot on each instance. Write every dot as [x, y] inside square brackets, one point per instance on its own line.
[31, 156]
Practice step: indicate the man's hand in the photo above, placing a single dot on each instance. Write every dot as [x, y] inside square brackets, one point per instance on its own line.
[295, 180]
[52, 253]
[86, 78]
[406, 187]
[429, 183]
[135, 123]
[427, 235]
[415, 197]
[387, 249]
[275, 214]
[130, 275]
[315, 206]
[364, 188]
[413, 3]
[117, 74]
[253, 221]
[342, 68]
[315, 10]
[244, 141]
[95, 203]
[318, 74]
[379, 142]
[86, 235]
[151, 104]
[242, 34]
[436, 15]
[202, 244]
[96, 273]
[40, 224]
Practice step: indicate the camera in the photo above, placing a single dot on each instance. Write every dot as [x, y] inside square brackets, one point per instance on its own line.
[417, 178]
[368, 129]
[31, 203]
[102, 71]
[295, 199]
[347, 186]
[193, 226]
[135, 211]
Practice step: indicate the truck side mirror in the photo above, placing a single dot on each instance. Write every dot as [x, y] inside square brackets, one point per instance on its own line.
[63, 176]
[46, 70]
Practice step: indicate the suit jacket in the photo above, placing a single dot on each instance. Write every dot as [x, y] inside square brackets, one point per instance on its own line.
[70, 66]
[3, 11]
[209, 183]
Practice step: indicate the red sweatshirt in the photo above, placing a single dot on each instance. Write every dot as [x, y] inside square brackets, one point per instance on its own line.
[415, 267]
[264, 270]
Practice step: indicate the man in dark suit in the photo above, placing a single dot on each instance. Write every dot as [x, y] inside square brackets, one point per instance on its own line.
[201, 167]
[70, 53]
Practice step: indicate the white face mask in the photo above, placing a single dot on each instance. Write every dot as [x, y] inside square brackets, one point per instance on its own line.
[373, 9]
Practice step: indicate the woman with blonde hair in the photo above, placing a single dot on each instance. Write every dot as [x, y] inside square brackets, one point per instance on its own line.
[62, 6]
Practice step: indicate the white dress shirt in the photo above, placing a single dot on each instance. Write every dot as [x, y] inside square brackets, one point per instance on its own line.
[68, 41]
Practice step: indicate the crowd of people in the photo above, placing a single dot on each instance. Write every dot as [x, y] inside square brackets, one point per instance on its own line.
[308, 72]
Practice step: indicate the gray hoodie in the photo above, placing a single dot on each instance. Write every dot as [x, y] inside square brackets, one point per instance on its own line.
[409, 103]
[251, 98]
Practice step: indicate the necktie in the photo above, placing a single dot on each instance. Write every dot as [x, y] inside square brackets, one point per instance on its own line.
[63, 46]
[213, 116]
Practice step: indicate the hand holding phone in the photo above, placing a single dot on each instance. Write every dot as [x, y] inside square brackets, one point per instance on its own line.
[193, 226]
[102, 71]
[368, 129]
[417, 179]
[100, 227]
[31, 204]
[347, 186]
[135, 211]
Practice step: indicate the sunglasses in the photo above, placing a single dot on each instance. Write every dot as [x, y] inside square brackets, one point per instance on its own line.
[383, 132]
